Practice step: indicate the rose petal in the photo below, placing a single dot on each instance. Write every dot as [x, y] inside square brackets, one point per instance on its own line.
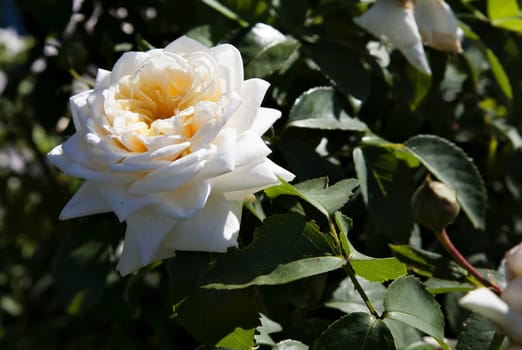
[171, 177]
[394, 22]
[129, 63]
[75, 148]
[264, 120]
[253, 177]
[486, 303]
[185, 45]
[250, 148]
[438, 25]
[80, 109]
[212, 229]
[78, 170]
[103, 79]
[224, 159]
[58, 157]
[230, 58]
[86, 201]
[186, 200]
[124, 203]
[253, 91]
[145, 233]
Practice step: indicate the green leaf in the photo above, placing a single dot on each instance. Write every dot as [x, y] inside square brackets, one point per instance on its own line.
[477, 334]
[420, 86]
[327, 199]
[499, 73]
[284, 249]
[241, 11]
[387, 186]
[427, 263]
[408, 301]
[357, 331]
[271, 58]
[372, 269]
[343, 66]
[346, 299]
[439, 286]
[454, 168]
[322, 108]
[502, 9]
[239, 339]
[265, 50]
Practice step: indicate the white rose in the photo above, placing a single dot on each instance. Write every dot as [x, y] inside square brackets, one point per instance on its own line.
[513, 260]
[486, 303]
[406, 24]
[393, 22]
[170, 140]
[437, 25]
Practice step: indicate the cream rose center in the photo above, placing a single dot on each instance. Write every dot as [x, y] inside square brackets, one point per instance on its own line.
[162, 99]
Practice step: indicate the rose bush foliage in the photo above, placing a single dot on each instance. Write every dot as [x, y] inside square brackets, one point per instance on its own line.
[185, 230]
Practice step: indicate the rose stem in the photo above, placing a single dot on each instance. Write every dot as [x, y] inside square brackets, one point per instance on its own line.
[349, 270]
[444, 239]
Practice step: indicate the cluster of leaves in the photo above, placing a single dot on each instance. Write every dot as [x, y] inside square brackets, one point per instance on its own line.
[335, 259]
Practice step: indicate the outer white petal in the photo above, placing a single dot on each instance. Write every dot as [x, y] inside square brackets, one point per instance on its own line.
[252, 94]
[229, 57]
[253, 177]
[124, 203]
[184, 45]
[394, 21]
[486, 303]
[79, 170]
[437, 25]
[212, 229]
[76, 148]
[512, 294]
[58, 157]
[80, 109]
[171, 177]
[224, 159]
[146, 230]
[275, 169]
[514, 262]
[128, 64]
[86, 201]
[103, 79]
[185, 201]
[250, 148]
[264, 120]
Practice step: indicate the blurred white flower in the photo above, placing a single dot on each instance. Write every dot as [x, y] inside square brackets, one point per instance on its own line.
[406, 24]
[486, 303]
[437, 25]
[505, 311]
[170, 140]
[513, 260]
[10, 42]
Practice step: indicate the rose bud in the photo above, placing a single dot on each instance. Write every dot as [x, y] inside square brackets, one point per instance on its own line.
[435, 205]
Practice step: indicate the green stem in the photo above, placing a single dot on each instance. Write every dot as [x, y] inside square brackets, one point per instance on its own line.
[334, 234]
[444, 239]
[351, 273]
